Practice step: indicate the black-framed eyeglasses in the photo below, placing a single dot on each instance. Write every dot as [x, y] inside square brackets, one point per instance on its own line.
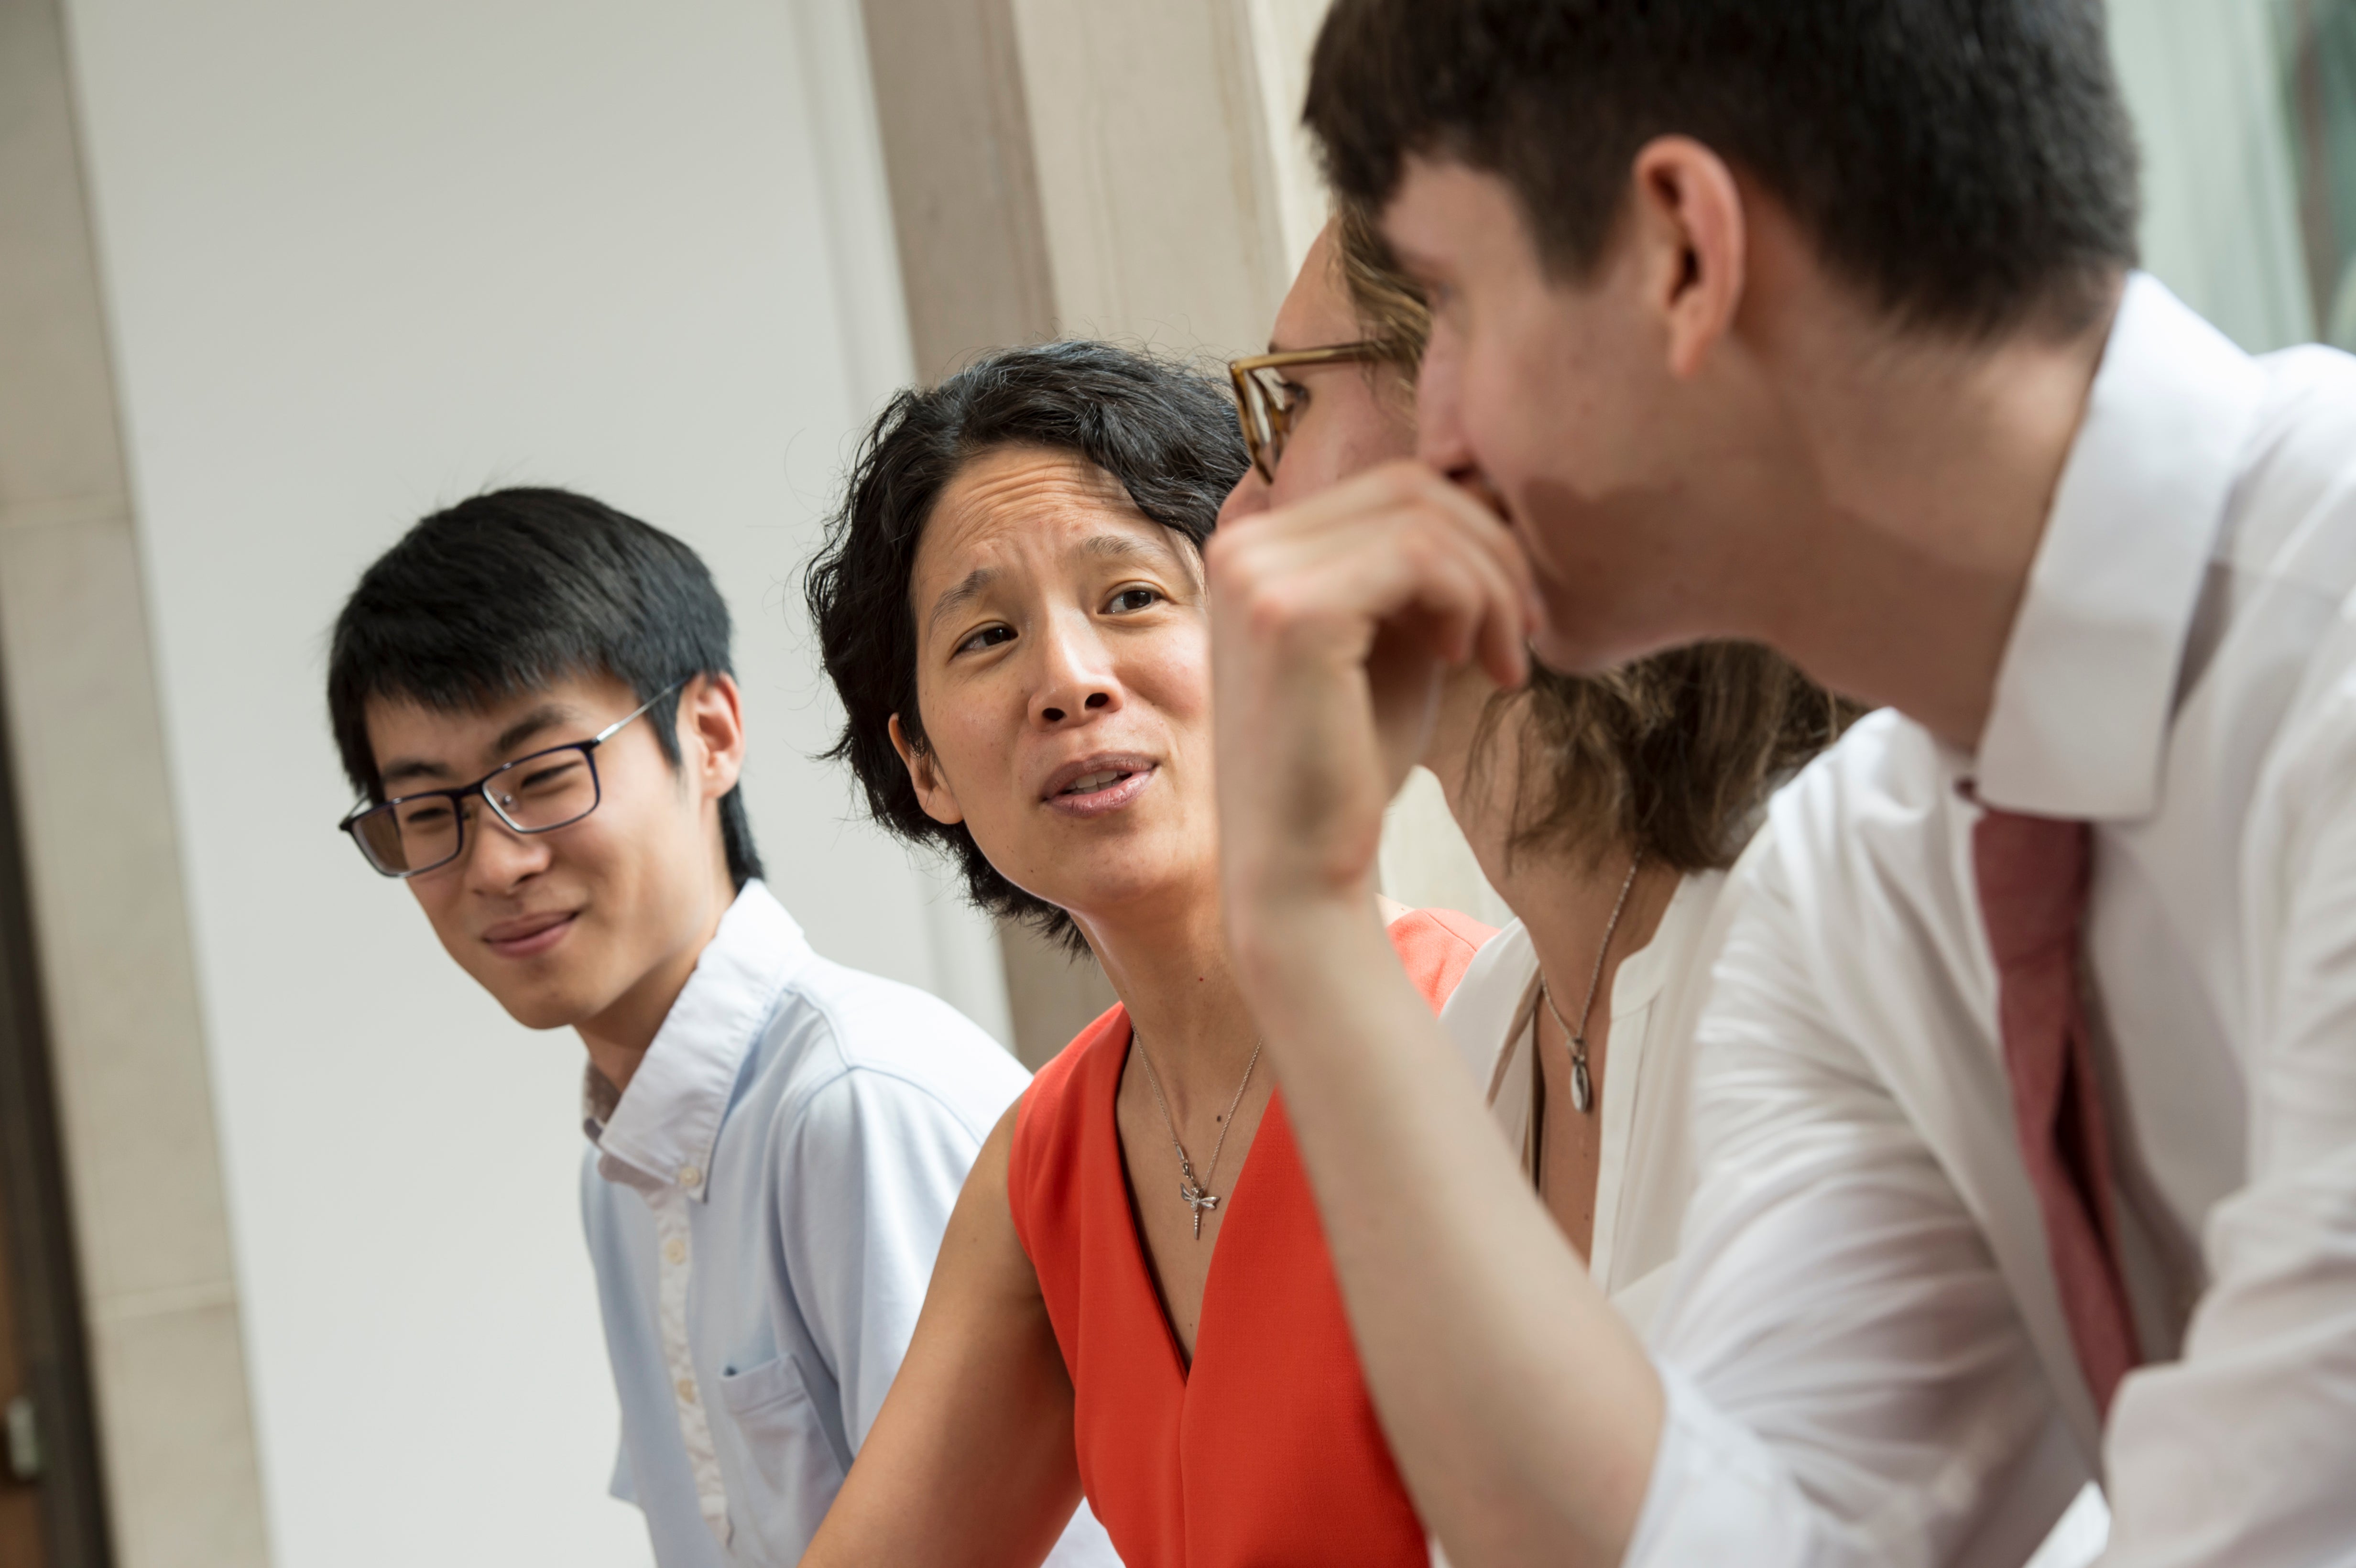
[541, 792]
[1264, 405]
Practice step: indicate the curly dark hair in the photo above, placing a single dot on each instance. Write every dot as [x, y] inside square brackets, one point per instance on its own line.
[1166, 432]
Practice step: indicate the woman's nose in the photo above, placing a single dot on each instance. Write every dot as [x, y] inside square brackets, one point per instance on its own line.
[1090, 702]
[1077, 684]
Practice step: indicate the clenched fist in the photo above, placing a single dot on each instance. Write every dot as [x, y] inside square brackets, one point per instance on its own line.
[1333, 624]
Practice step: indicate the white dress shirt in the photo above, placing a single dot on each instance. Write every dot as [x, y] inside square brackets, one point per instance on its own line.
[764, 1205]
[1865, 1352]
[1643, 1172]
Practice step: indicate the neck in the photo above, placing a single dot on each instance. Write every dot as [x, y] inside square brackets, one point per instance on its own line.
[619, 1037]
[1169, 966]
[1565, 902]
[1925, 471]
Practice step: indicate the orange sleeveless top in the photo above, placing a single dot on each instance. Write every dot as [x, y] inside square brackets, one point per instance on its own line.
[1267, 1452]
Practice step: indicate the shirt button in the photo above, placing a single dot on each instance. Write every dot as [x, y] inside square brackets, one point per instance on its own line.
[675, 1251]
[686, 1387]
[691, 1175]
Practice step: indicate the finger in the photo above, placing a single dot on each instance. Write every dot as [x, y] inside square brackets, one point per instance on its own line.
[1408, 485]
[1446, 570]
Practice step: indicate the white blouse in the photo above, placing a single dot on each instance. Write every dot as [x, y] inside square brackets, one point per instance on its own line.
[1646, 1170]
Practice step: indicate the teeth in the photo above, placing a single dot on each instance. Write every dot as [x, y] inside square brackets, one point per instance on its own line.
[1089, 782]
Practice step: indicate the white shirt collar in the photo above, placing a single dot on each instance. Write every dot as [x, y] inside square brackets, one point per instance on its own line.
[2084, 694]
[664, 1126]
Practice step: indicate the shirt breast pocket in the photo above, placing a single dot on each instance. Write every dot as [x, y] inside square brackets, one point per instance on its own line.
[789, 1469]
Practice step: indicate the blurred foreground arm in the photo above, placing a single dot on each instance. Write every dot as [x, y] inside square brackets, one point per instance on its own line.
[1521, 1408]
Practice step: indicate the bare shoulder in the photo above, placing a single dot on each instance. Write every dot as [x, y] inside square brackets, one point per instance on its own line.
[983, 1249]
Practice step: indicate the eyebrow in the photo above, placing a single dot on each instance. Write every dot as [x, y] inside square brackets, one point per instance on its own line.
[968, 590]
[546, 716]
[1105, 547]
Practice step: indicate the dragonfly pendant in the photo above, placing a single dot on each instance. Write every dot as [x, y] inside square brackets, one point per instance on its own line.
[1191, 1191]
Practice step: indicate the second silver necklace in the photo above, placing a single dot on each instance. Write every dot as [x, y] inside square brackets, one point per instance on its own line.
[1582, 1087]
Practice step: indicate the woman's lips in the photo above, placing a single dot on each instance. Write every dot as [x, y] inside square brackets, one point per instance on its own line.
[529, 937]
[1103, 790]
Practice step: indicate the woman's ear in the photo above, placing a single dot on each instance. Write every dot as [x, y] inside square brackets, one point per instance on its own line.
[933, 791]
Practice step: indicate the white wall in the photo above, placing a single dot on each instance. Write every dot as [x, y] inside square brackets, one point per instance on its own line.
[2202, 79]
[361, 260]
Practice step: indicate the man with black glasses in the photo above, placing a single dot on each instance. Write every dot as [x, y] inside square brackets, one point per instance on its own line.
[532, 693]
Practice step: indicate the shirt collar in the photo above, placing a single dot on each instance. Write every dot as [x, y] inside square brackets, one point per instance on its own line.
[2085, 692]
[662, 1129]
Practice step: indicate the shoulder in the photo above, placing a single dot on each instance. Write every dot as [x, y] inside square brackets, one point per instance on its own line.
[1481, 1010]
[1438, 946]
[2304, 437]
[1875, 804]
[839, 1041]
[1052, 1130]
[1059, 1091]
[1863, 871]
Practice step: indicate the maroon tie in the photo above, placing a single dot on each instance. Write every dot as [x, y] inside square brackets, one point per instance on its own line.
[2033, 874]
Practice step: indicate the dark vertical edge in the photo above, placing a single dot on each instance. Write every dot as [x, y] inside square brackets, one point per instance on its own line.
[2318, 242]
[47, 1278]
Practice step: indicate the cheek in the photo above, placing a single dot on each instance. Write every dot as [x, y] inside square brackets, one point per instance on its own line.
[969, 729]
[1251, 497]
[1173, 675]
[438, 894]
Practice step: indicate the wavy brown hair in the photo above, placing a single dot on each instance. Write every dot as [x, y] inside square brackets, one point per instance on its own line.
[1672, 755]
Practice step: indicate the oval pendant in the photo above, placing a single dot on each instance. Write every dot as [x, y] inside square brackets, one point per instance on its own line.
[1582, 1091]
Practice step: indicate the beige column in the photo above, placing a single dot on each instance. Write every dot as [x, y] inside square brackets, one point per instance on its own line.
[126, 1045]
[1124, 169]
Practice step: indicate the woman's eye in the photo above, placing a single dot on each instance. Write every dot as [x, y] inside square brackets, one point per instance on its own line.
[988, 637]
[1296, 396]
[1133, 599]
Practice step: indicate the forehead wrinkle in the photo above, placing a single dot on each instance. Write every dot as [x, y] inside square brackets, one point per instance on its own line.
[1016, 491]
[1119, 547]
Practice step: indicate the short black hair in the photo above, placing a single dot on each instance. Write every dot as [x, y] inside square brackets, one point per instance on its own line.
[513, 591]
[1167, 432]
[1967, 164]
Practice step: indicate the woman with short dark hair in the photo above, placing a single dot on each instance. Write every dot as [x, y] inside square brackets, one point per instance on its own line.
[1133, 1297]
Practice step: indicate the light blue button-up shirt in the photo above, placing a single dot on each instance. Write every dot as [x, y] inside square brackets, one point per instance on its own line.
[763, 1208]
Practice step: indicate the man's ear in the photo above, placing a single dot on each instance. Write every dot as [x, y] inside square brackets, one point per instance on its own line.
[933, 791]
[711, 733]
[1689, 222]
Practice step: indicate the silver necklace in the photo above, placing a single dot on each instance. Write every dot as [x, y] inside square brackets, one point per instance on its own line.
[1197, 1194]
[1582, 1088]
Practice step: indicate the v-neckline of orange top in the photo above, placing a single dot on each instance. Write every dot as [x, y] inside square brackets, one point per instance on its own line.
[1234, 1206]
[1265, 1449]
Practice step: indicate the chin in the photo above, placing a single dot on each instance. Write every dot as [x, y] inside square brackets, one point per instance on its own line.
[1113, 893]
[545, 1013]
[542, 1006]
